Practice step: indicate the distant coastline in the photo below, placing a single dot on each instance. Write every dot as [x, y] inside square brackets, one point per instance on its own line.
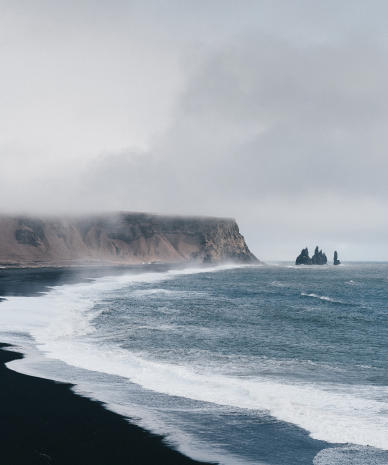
[119, 239]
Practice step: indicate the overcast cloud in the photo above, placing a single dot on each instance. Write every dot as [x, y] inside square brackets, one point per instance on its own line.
[272, 112]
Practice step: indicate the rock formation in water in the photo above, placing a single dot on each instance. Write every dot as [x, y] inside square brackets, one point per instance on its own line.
[336, 261]
[319, 258]
[120, 238]
[303, 258]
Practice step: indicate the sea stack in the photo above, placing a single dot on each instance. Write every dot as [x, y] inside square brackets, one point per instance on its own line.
[303, 258]
[336, 261]
[319, 258]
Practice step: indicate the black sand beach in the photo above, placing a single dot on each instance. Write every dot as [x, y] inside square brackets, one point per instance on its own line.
[44, 422]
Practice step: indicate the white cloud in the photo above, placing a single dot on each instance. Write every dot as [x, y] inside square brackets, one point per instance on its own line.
[192, 111]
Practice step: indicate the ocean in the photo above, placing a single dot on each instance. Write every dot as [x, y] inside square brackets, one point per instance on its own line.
[267, 364]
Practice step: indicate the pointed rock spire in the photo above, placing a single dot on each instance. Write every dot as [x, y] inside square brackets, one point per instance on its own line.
[336, 261]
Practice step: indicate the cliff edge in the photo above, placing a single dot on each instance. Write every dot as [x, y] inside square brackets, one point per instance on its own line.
[120, 238]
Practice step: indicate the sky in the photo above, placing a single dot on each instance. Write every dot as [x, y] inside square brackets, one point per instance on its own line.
[273, 112]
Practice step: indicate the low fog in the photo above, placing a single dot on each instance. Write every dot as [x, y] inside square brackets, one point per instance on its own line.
[271, 114]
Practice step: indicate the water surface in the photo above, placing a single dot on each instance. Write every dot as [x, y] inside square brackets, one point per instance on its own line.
[237, 364]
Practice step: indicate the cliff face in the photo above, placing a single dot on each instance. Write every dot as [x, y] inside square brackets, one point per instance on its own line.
[121, 238]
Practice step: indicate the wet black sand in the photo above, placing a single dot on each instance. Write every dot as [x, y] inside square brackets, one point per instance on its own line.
[44, 422]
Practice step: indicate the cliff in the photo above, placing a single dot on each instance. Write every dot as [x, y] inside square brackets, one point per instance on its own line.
[120, 238]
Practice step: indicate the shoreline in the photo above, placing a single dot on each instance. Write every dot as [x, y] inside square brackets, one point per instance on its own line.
[30, 282]
[44, 422]
[273, 434]
[123, 266]
[89, 264]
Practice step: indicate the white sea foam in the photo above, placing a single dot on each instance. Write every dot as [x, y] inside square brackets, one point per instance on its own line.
[61, 323]
[315, 296]
[67, 311]
[185, 443]
[350, 415]
[351, 455]
[353, 283]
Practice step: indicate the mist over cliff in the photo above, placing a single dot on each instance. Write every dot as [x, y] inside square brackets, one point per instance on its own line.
[120, 238]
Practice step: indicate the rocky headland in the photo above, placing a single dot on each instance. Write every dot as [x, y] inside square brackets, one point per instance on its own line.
[319, 258]
[119, 239]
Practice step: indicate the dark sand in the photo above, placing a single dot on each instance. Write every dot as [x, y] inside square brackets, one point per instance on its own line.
[44, 422]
